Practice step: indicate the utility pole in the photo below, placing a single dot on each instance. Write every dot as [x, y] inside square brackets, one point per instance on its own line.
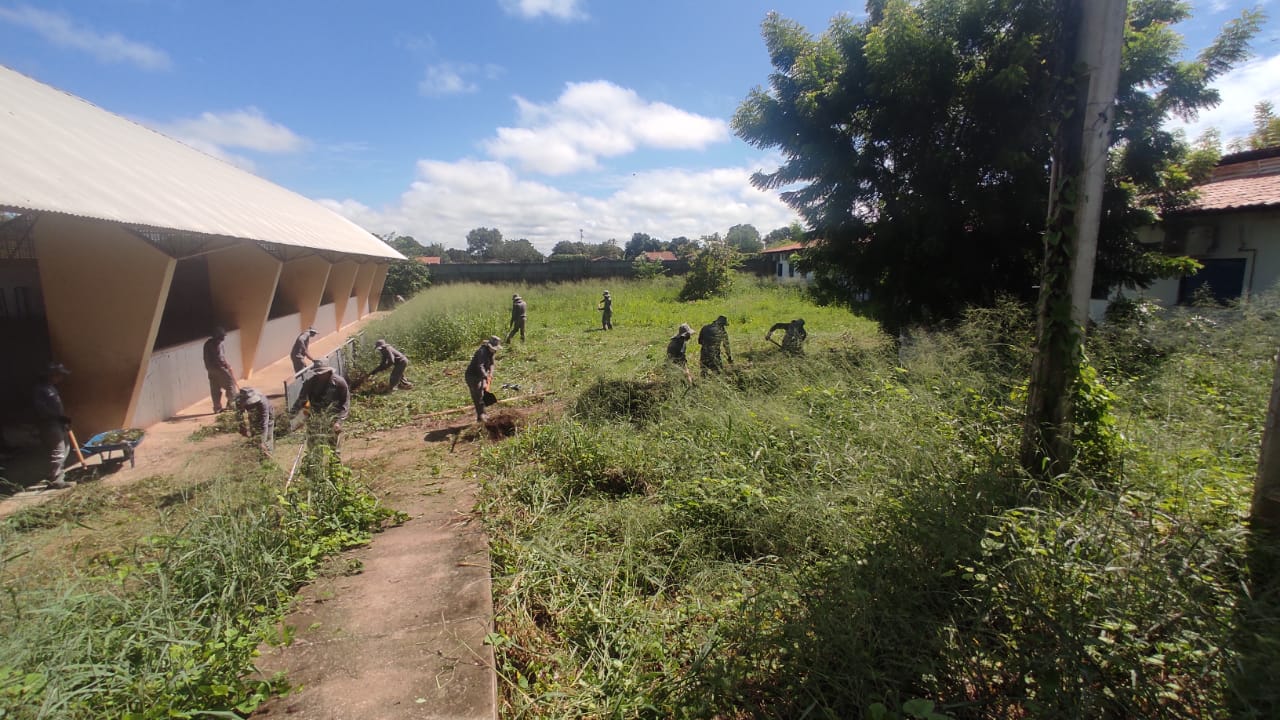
[1089, 65]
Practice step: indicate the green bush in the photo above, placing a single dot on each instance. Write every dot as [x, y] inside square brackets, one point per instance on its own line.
[710, 271]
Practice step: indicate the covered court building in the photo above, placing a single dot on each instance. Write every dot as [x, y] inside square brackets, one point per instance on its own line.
[121, 249]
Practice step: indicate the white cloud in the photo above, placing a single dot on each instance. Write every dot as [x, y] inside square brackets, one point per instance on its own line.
[106, 47]
[597, 119]
[452, 78]
[248, 129]
[445, 79]
[1240, 90]
[558, 9]
[447, 200]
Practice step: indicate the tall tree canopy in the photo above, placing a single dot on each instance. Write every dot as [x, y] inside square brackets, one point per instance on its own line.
[482, 242]
[744, 238]
[405, 244]
[917, 143]
[1266, 129]
[518, 251]
[641, 243]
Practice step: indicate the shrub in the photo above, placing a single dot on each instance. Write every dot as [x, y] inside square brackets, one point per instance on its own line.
[710, 270]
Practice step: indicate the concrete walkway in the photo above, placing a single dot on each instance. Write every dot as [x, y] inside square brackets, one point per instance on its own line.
[403, 638]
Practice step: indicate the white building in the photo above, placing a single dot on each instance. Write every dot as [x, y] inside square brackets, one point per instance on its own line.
[1233, 229]
[121, 249]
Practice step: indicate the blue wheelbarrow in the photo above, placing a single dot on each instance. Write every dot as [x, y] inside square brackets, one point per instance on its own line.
[114, 441]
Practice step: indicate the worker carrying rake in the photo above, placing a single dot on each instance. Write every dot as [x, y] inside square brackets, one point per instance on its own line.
[793, 336]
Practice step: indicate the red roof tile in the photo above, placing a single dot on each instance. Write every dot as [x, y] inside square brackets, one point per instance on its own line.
[1234, 193]
[660, 256]
[788, 248]
[429, 259]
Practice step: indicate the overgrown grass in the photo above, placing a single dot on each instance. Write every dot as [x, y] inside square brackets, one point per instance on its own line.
[848, 534]
[169, 628]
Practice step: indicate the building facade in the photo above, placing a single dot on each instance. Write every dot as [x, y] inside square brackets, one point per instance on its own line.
[121, 250]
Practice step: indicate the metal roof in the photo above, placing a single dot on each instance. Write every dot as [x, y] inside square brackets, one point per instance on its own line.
[61, 154]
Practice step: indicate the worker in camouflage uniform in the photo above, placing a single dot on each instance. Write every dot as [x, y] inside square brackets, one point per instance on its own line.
[53, 424]
[519, 314]
[254, 416]
[677, 348]
[301, 351]
[712, 338]
[480, 373]
[793, 336]
[329, 397]
[605, 307]
[394, 359]
[221, 378]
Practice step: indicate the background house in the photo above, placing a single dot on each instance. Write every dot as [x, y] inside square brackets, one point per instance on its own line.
[778, 261]
[1233, 229]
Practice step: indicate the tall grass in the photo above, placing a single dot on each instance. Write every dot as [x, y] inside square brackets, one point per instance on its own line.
[848, 534]
[170, 629]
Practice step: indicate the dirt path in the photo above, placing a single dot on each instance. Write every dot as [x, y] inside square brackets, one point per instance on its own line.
[403, 637]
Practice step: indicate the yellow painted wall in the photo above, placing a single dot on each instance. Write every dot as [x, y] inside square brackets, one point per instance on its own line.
[375, 288]
[364, 280]
[341, 279]
[302, 283]
[104, 290]
[242, 281]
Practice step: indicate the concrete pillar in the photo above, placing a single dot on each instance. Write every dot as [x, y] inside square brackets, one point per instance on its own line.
[104, 292]
[364, 279]
[302, 283]
[375, 288]
[242, 281]
[341, 279]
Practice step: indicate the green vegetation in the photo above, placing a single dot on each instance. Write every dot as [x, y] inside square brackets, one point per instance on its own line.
[962, 100]
[849, 534]
[168, 625]
[845, 534]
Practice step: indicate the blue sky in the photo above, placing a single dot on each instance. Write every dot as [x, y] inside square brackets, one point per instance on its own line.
[542, 118]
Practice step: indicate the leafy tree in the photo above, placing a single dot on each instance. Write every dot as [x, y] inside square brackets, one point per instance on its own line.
[1266, 129]
[792, 233]
[458, 255]
[483, 242]
[744, 239]
[569, 247]
[681, 246]
[406, 277]
[405, 245]
[435, 250]
[710, 270]
[646, 269]
[518, 251]
[917, 142]
[641, 243]
[607, 249]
